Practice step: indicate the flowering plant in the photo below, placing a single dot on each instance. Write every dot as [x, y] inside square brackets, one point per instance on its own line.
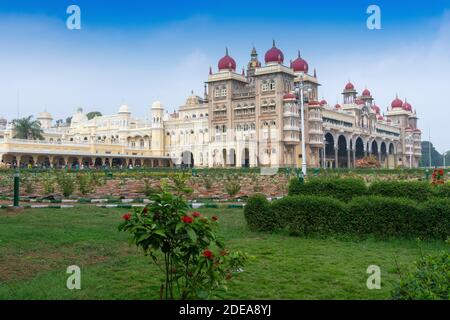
[438, 176]
[183, 245]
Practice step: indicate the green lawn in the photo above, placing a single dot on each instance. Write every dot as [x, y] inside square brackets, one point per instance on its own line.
[36, 246]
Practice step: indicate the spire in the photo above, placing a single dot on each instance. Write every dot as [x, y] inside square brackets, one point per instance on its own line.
[290, 63]
[210, 70]
[254, 53]
[315, 73]
[192, 92]
[273, 42]
[226, 51]
[243, 71]
[299, 53]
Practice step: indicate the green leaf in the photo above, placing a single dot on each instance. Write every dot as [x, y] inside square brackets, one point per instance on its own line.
[161, 233]
[192, 235]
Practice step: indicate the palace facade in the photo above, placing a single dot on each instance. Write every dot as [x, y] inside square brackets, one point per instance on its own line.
[249, 118]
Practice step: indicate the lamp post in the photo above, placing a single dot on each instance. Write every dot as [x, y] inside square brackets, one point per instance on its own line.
[16, 188]
[299, 91]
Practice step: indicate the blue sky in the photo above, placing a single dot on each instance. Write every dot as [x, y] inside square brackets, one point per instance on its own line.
[135, 52]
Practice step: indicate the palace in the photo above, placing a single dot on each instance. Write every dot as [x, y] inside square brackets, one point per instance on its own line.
[249, 118]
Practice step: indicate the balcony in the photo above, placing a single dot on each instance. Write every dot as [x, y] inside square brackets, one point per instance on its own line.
[291, 114]
[291, 140]
[291, 128]
[315, 131]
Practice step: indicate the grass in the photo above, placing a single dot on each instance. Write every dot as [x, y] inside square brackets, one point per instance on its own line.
[36, 247]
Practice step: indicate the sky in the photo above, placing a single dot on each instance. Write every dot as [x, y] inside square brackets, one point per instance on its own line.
[135, 52]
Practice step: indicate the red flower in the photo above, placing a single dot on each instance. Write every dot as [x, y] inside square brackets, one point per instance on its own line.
[441, 172]
[208, 254]
[187, 219]
[215, 218]
[126, 216]
[196, 214]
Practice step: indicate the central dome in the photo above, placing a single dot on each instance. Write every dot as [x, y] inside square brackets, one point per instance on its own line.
[397, 103]
[274, 55]
[227, 62]
[349, 86]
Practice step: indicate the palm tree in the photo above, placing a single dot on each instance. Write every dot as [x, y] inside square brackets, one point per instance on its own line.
[26, 128]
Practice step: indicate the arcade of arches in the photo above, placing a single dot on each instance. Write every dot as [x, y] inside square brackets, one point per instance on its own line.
[343, 152]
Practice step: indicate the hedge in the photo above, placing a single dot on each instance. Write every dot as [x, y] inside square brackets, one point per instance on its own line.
[381, 217]
[416, 190]
[342, 188]
[435, 219]
[443, 191]
[258, 214]
[308, 215]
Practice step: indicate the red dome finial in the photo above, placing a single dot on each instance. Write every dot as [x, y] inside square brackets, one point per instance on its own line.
[366, 93]
[299, 64]
[349, 86]
[274, 55]
[227, 62]
[397, 103]
[407, 106]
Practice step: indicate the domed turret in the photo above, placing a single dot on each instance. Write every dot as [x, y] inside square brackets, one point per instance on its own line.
[274, 55]
[123, 109]
[407, 106]
[349, 86]
[366, 93]
[192, 100]
[299, 64]
[397, 103]
[227, 63]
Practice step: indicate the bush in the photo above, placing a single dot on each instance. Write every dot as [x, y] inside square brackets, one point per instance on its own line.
[258, 214]
[428, 280]
[434, 219]
[382, 217]
[84, 183]
[66, 182]
[309, 215]
[343, 189]
[443, 190]
[416, 190]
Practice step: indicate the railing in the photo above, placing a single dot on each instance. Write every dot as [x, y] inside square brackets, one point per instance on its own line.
[291, 128]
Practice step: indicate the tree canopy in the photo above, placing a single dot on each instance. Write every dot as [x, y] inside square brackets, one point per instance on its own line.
[27, 128]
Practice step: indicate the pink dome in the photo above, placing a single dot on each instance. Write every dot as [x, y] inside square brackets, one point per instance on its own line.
[366, 93]
[227, 62]
[380, 117]
[397, 103]
[337, 106]
[323, 102]
[349, 86]
[300, 65]
[274, 55]
[288, 96]
[407, 106]
[376, 109]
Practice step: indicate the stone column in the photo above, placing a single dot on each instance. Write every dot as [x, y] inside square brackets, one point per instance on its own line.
[349, 165]
[336, 151]
[354, 158]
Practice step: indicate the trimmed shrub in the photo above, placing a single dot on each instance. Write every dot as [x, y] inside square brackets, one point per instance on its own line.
[258, 214]
[434, 220]
[416, 190]
[342, 188]
[309, 215]
[428, 280]
[382, 217]
[443, 190]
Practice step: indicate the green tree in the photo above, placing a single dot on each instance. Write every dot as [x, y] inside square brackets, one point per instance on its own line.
[27, 128]
[93, 114]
